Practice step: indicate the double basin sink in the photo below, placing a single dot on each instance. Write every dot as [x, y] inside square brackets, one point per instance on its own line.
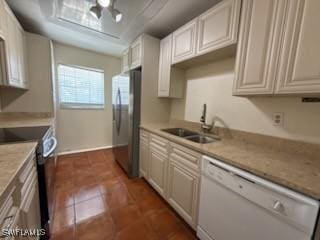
[190, 135]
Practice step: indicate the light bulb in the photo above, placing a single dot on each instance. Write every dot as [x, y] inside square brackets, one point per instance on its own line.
[116, 15]
[96, 11]
[104, 3]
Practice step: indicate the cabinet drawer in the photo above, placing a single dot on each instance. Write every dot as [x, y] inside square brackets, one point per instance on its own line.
[185, 156]
[30, 179]
[159, 143]
[11, 222]
[144, 136]
[30, 208]
[6, 208]
[30, 163]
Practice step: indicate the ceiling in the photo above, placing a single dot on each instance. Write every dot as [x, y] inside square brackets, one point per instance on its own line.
[68, 21]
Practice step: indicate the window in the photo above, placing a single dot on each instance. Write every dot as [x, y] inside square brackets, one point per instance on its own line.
[80, 87]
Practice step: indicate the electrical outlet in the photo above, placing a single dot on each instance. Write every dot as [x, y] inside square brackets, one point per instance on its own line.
[277, 118]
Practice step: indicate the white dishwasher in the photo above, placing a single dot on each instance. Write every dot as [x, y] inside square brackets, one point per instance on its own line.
[236, 205]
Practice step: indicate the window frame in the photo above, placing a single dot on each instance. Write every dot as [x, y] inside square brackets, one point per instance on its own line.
[80, 106]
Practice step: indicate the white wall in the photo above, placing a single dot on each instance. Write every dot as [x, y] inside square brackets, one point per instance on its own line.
[39, 97]
[212, 84]
[82, 129]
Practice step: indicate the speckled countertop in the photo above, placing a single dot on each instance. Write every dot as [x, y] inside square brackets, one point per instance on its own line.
[295, 165]
[12, 158]
[10, 120]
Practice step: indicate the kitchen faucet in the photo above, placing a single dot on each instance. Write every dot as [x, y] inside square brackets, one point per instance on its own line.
[204, 126]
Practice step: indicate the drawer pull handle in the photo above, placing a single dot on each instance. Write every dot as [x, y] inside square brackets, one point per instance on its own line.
[11, 218]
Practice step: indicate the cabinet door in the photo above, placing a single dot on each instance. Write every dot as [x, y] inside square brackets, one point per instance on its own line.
[165, 67]
[136, 53]
[183, 192]
[218, 27]
[144, 155]
[3, 22]
[299, 70]
[125, 63]
[158, 171]
[12, 50]
[184, 42]
[258, 47]
[21, 43]
[30, 208]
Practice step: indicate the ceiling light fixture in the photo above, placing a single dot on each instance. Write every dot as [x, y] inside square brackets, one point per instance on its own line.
[104, 3]
[116, 15]
[96, 10]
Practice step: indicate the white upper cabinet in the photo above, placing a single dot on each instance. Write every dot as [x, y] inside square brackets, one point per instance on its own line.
[22, 57]
[278, 48]
[258, 47]
[165, 67]
[299, 71]
[171, 80]
[125, 61]
[2, 20]
[218, 27]
[136, 53]
[184, 42]
[13, 52]
[132, 57]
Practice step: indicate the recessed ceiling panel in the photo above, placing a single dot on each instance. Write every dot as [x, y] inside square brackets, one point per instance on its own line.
[69, 21]
[78, 12]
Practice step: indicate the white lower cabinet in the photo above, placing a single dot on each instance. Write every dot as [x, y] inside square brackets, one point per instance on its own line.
[158, 162]
[183, 192]
[20, 205]
[30, 210]
[144, 154]
[157, 175]
[173, 171]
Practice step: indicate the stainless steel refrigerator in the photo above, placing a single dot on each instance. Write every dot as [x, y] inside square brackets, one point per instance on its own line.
[126, 120]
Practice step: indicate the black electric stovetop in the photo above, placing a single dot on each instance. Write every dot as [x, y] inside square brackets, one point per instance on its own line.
[22, 134]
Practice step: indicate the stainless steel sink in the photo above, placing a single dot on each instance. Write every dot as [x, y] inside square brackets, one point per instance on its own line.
[190, 135]
[180, 132]
[201, 139]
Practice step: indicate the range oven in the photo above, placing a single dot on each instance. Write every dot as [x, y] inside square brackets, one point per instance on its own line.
[45, 164]
[46, 176]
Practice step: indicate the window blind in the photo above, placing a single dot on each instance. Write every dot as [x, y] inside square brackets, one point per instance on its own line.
[80, 87]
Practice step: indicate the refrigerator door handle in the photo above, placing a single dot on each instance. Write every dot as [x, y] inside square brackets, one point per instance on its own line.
[113, 112]
[119, 109]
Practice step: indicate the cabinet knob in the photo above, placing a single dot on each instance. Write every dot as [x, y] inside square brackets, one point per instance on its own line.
[278, 206]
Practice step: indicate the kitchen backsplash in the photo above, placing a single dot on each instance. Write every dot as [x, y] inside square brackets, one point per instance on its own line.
[212, 84]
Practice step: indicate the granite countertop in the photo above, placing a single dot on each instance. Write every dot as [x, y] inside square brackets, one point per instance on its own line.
[12, 158]
[289, 167]
[10, 120]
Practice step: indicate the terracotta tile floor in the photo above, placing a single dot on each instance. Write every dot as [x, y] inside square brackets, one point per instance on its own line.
[94, 199]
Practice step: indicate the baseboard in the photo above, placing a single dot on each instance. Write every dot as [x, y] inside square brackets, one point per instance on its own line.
[83, 150]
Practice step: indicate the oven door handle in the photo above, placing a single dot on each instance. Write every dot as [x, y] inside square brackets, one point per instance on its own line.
[53, 147]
